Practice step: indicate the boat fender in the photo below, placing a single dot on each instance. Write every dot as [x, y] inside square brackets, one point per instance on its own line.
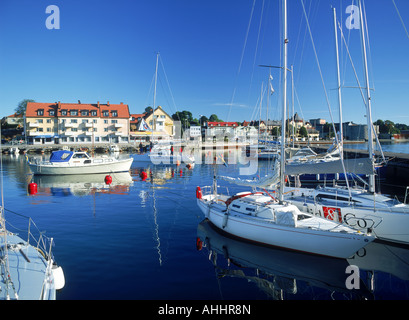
[199, 193]
[143, 175]
[32, 188]
[108, 179]
[225, 218]
[59, 279]
[199, 244]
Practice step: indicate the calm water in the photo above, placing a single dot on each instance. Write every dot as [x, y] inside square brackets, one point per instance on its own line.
[138, 240]
[398, 147]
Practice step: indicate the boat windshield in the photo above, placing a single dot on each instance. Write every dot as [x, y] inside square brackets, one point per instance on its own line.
[61, 156]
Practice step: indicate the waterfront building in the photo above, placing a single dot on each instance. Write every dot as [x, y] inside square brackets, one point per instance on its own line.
[156, 124]
[66, 123]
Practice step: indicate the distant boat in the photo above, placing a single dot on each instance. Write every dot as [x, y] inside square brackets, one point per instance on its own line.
[163, 154]
[114, 148]
[69, 162]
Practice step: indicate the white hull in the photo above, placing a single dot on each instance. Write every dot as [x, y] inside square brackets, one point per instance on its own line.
[107, 165]
[266, 231]
[388, 221]
[163, 159]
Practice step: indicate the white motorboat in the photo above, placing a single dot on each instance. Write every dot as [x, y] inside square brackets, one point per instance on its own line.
[69, 162]
[163, 154]
[260, 218]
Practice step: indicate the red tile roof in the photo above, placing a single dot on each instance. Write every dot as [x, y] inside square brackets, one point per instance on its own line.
[222, 124]
[121, 109]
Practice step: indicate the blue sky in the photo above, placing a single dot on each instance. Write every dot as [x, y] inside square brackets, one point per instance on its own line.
[210, 50]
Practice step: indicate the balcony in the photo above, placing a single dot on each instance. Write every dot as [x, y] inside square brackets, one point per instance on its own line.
[33, 124]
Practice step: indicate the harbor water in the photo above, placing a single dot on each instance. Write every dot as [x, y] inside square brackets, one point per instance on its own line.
[143, 237]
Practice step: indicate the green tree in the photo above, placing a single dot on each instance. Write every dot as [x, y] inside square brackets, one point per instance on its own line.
[22, 106]
[303, 132]
[214, 118]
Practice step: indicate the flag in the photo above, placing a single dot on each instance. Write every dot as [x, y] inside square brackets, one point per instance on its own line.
[271, 89]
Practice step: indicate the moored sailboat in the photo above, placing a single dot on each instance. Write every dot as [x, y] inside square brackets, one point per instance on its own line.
[261, 218]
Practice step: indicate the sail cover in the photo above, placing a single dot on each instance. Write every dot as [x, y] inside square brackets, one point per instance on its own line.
[358, 166]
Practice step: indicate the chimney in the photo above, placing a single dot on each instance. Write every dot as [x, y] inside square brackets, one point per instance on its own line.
[79, 101]
[107, 103]
[98, 104]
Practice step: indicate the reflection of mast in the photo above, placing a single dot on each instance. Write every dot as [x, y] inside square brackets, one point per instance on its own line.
[155, 220]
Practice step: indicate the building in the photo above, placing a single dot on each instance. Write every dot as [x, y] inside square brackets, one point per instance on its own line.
[157, 124]
[49, 123]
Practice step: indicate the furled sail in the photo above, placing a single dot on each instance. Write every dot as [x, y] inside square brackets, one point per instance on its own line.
[358, 166]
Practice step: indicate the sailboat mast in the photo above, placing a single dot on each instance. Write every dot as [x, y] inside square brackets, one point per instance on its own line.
[341, 129]
[283, 120]
[154, 93]
[368, 98]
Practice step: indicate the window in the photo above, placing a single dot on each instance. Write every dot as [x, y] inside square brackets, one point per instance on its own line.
[163, 116]
[63, 112]
[94, 113]
[85, 113]
[114, 113]
[114, 121]
[74, 112]
[40, 112]
[105, 113]
[48, 120]
[106, 121]
[40, 120]
[52, 112]
[95, 121]
[74, 121]
[84, 120]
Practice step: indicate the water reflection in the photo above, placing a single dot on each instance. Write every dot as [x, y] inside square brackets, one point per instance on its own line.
[85, 184]
[283, 274]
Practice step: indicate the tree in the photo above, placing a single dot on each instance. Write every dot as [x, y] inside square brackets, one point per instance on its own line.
[303, 132]
[148, 109]
[22, 106]
[214, 118]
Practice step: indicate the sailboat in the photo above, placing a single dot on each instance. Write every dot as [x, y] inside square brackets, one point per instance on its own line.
[356, 207]
[161, 153]
[27, 267]
[261, 218]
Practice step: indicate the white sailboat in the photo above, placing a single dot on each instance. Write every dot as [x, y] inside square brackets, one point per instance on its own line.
[27, 267]
[357, 207]
[263, 219]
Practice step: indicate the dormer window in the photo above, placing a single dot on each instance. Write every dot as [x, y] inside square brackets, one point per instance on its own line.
[114, 113]
[74, 112]
[84, 113]
[105, 113]
[63, 112]
[40, 112]
[52, 112]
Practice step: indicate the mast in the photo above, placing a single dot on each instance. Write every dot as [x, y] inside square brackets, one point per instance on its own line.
[368, 98]
[341, 129]
[283, 120]
[154, 94]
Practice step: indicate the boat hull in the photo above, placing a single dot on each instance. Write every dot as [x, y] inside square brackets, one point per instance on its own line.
[341, 245]
[386, 225]
[90, 168]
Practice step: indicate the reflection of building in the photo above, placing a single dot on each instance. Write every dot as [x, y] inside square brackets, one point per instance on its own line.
[48, 123]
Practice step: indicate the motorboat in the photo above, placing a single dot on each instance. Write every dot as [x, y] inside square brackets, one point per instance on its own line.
[78, 162]
[260, 218]
[164, 154]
